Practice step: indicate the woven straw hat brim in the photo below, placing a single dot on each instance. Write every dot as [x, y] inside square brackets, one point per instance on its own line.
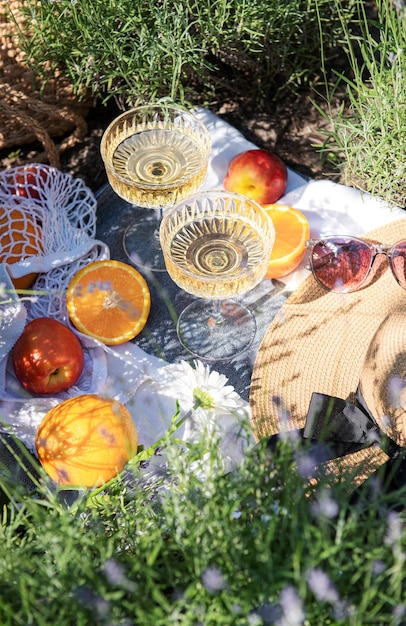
[318, 343]
[383, 376]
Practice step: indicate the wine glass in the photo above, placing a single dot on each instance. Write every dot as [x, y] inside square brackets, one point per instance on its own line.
[216, 246]
[155, 155]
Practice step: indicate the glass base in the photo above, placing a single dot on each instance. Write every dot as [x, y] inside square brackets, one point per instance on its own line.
[141, 242]
[216, 338]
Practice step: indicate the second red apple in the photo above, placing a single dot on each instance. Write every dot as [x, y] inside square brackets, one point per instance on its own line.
[30, 181]
[257, 174]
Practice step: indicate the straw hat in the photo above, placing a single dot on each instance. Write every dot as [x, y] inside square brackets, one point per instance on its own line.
[332, 344]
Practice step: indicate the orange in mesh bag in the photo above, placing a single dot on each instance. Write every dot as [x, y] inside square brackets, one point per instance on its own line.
[20, 238]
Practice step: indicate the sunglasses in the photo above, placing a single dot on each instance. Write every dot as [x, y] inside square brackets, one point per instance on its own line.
[342, 264]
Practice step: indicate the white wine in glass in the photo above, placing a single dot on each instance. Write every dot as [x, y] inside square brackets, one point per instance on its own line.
[155, 155]
[216, 246]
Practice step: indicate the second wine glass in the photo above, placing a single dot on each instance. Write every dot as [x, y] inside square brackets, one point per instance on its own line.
[155, 155]
[216, 246]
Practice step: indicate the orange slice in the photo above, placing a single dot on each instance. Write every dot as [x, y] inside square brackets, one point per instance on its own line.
[109, 301]
[291, 232]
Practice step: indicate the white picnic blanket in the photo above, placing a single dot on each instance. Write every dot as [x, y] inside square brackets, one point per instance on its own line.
[142, 381]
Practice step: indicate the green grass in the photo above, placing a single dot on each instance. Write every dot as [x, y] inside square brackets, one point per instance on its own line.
[368, 136]
[135, 50]
[254, 546]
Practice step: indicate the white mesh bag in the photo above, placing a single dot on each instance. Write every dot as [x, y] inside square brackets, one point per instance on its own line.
[60, 213]
[49, 218]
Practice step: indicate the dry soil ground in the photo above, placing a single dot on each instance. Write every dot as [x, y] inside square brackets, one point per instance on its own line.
[291, 128]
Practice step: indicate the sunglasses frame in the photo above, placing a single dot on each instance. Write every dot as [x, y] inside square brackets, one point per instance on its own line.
[374, 248]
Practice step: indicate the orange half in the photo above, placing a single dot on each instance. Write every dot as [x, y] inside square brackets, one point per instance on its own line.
[291, 232]
[109, 301]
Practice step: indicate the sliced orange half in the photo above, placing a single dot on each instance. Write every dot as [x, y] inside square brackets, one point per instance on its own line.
[291, 232]
[109, 301]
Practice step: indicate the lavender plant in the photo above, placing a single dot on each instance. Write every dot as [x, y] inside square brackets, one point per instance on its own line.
[254, 546]
[368, 132]
[136, 51]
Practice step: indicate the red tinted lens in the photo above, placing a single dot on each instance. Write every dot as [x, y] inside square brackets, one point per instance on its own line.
[398, 262]
[340, 263]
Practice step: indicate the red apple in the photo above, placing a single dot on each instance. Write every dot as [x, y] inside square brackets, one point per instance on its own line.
[47, 357]
[257, 174]
[30, 180]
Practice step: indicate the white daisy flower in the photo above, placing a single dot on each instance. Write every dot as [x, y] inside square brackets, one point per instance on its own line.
[214, 411]
[199, 388]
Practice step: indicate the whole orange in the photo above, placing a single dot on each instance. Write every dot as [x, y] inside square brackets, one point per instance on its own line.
[20, 238]
[86, 440]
